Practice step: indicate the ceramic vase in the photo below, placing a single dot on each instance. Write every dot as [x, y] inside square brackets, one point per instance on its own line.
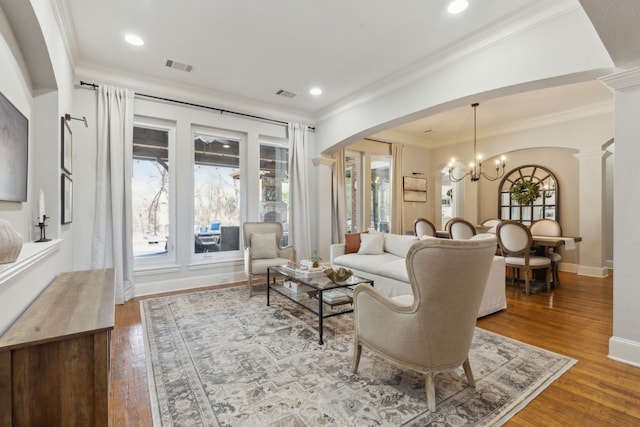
[10, 242]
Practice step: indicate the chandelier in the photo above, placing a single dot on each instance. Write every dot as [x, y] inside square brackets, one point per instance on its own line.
[475, 168]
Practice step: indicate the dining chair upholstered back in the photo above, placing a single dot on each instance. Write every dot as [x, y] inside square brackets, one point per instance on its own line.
[546, 227]
[491, 222]
[515, 243]
[549, 227]
[432, 330]
[424, 227]
[460, 228]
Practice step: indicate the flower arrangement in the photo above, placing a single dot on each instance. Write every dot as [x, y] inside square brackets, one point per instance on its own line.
[525, 192]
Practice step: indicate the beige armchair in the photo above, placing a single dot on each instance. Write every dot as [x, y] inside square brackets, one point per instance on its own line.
[263, 250]
[432, 330]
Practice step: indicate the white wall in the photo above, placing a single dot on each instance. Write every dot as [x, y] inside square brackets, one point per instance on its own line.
[43, 106]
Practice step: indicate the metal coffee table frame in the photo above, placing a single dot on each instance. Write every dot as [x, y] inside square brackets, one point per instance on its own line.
[317, 284]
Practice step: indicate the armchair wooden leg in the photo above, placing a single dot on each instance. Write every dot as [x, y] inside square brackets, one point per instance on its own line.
[430, 388]
[467, 370]
[250, 285]
[357, 351]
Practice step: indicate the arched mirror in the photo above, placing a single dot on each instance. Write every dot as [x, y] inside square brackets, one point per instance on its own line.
[528, 193]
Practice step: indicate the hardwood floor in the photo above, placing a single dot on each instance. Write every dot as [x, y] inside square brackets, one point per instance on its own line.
[575, 320]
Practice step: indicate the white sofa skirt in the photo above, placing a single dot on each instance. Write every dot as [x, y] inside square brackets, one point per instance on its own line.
[389, 275]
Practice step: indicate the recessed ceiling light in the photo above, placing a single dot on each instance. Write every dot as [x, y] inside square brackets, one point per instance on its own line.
[457, 6]
[315, 91]
[134, 40]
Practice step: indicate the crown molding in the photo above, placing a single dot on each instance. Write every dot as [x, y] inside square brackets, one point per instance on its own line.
[538, 14]
[623, 79]
[326, 161]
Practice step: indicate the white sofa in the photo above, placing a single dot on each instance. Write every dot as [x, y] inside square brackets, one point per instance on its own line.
[389, 272]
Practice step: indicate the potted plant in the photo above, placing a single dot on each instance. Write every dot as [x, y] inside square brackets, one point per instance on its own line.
[315, 258]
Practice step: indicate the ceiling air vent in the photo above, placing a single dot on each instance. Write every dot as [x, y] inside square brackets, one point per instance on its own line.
[286, 93]
[178, 65]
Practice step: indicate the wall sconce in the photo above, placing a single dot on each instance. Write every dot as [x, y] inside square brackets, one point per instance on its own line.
[68, 118]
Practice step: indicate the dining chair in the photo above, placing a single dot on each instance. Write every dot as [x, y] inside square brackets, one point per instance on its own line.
[424, 227]
[460, 228]
[431, 330]
[515, 243]
[549, 227]
[491, 222]
[262, 249]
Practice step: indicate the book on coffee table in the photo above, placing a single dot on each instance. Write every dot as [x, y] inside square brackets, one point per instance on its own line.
[335, 296]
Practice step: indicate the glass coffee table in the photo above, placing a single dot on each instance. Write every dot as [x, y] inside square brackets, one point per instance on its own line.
[318, 294]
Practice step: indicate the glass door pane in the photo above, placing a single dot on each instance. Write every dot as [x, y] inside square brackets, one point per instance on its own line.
[353, 192]
[381, 193]
[274, 186]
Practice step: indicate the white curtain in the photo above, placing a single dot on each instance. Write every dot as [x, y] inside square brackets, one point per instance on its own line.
[111, 241]
[397, 199]
[299, 228]
[339, 197]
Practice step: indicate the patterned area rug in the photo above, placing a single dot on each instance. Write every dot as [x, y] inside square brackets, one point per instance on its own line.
[219, 358]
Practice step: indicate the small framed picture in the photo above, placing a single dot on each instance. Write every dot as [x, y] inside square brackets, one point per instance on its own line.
[66, 145]
[414, 189]
[67, 199]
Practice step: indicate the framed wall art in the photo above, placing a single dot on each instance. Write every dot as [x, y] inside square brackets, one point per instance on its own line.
[66, 145]
[67, 199]
[414, 189]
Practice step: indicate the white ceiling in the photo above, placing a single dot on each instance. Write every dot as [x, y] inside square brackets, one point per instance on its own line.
[249, 49]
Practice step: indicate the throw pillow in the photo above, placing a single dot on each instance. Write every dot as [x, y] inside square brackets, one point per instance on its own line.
[371, 244]
[351, 243]
[264, 246]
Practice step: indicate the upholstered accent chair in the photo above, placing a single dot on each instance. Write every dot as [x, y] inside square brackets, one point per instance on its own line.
[432, 330]
[424, 227]
[262, 249]
[515, 243]
[549, 227]
[459, 228]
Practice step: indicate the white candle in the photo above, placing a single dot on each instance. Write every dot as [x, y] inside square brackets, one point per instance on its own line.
[41, 210]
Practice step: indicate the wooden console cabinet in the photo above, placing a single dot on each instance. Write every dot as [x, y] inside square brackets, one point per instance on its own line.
[55, 359]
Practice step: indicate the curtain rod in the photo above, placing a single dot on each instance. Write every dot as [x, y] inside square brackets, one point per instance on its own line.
[222, 111]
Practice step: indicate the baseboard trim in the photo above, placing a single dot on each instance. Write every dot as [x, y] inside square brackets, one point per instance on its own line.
[625, 351]
[159, 287]
[600, 272]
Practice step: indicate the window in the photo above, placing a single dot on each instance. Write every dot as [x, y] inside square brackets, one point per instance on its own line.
[216, 193]
[150, 192]
[274, 186]
[380, 192]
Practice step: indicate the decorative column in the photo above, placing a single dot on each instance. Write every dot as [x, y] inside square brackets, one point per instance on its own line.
[624, 345]
[591, 213]
[322, 239]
